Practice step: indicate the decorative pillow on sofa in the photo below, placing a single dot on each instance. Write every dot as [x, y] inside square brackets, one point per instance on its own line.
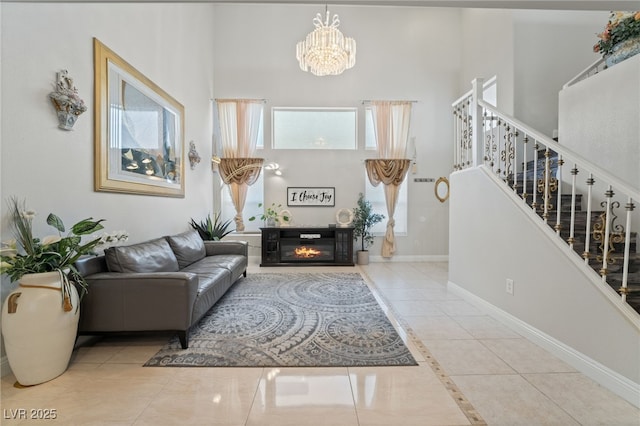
[151, 256]
[188, 247]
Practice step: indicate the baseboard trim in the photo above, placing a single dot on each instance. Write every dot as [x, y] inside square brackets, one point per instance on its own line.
[394, 259]
[615, 382]
[410, 258]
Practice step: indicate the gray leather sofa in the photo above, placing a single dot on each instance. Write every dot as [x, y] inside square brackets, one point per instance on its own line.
[167, 283]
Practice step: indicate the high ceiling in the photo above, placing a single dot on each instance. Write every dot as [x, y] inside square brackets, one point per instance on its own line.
[502, 4]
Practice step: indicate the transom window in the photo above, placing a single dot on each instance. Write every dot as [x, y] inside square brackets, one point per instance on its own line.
[314, 128]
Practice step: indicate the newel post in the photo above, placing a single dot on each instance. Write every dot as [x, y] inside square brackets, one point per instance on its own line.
[476, 120]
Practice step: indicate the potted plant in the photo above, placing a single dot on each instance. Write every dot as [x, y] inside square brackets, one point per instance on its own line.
[363, 221]
[272, 215]
[620, 38]
[212, 230]
[39, 322]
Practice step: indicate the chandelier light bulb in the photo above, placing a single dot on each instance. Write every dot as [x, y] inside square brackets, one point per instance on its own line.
[325, 51]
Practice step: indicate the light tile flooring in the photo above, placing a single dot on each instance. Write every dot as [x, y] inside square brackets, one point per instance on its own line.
[473, 370]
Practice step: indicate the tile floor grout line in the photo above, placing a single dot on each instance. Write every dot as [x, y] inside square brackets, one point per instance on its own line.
[353, 397]
[551, 399]
[253, 400]
[463, 403]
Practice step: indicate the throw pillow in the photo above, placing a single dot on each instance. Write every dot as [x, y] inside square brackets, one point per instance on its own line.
[151, 256]
[188, 248]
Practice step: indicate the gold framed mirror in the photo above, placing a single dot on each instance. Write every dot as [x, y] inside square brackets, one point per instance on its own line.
[441, 189]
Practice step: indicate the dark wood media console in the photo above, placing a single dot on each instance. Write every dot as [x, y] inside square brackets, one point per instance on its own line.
[307, 246]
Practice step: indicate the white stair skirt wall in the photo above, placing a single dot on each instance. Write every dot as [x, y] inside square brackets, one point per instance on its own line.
[493, 238]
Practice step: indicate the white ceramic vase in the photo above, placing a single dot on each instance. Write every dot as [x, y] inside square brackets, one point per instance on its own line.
[39, 334]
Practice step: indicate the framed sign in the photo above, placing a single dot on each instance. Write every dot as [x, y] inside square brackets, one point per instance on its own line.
[311, 196]
[139, 131]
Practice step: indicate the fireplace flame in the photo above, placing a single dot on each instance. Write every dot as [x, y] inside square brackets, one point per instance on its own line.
[306, 252]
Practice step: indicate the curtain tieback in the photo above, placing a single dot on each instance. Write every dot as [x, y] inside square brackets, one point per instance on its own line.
[240, 170]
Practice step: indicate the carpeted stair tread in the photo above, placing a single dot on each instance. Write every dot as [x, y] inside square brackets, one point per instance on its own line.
[614, 269]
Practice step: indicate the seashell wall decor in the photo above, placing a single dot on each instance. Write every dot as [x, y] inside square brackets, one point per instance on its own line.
[66, 101]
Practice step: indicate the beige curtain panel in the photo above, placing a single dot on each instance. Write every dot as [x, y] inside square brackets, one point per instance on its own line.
[391, 173]
[239, 125]
[391, 125]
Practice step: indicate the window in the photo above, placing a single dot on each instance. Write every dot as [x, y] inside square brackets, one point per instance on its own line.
[260, 142]
[314, 128]
[375, 195]
[369, 131]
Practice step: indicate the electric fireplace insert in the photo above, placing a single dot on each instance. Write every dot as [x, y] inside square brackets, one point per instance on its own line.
[307, 246]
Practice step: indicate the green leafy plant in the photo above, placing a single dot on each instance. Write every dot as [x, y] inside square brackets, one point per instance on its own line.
[272, 212]
[622, 26]
[27, 254]
[212, 229]
[363, 220]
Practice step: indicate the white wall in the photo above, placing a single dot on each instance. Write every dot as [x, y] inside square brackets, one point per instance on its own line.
[551, 293]
[532, 52]
[52, 169]
[402, 53]
[488, 50]
[600, 119]
[551, 47]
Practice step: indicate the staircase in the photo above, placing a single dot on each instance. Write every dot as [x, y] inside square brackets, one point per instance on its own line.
[597, 221]
[537, 169]
[581, 301]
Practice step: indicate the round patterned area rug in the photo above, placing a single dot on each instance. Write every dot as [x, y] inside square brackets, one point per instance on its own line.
[291, 320]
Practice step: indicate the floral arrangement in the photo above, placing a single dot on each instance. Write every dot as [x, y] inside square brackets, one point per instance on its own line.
[27, 254]
[622, 26]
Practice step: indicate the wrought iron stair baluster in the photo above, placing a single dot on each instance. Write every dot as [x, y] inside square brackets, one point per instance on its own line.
[574, 174]
[624, 289]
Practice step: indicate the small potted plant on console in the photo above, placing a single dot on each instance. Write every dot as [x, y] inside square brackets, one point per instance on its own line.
[273, 215]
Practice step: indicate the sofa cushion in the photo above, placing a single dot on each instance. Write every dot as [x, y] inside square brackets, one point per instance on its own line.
[151, 256]
[188, 248]
[233, 263]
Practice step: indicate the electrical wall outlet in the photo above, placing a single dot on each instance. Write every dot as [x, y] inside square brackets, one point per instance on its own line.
[509, 286]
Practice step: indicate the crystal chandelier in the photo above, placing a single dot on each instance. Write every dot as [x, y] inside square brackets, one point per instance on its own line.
[325, 51]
